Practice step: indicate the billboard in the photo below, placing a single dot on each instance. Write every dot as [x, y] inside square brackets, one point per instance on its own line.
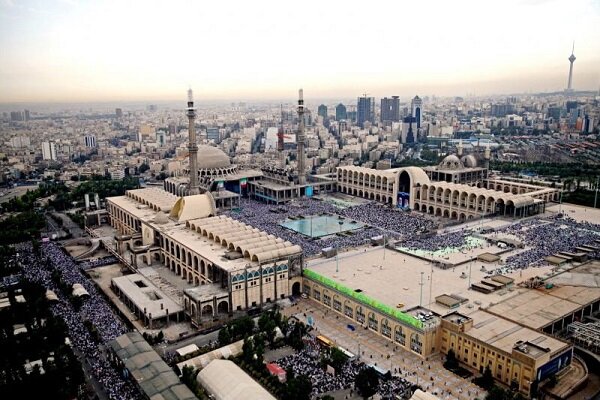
[554, 365]
[309, 191]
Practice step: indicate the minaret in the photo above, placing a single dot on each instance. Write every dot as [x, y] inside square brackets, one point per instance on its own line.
[486, 157]
[571, 60]
[459, 148]
[280, 144]
[192, 145]
[300, 141]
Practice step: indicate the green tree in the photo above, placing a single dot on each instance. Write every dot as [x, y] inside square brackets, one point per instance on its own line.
[486, 381]
[367, 382]
[143, 168]
[298, 388]
[451, 361]
[224, 336]
[337, 359]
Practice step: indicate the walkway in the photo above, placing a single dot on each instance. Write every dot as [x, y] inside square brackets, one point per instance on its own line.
[431, 375]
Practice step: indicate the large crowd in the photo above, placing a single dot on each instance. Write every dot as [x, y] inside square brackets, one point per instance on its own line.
[94, 309]
[378, 220]
[307, 362]
[544, 237]
[433, 243]
[99, 262]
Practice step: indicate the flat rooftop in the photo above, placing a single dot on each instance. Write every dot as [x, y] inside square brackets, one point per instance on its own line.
[145, 295]
[504, 334]
[396, 279]
[587, 274]
[537, 308]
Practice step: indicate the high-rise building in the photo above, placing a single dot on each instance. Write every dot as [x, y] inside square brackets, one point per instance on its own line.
[119, 112]
[214, 134]
[49, 151]
[390, 109]
[365, 110]
[340, 112]
[322, 111]
[409, 130]
[417, 110]
[571, 61]
[16, 116]
[26, 115]
[89, 140]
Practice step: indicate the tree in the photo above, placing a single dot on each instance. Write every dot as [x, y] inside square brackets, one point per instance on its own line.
[298, 388]
[451, 361]
[367, 382]
[143, 168]
[486, 381]
[337, 359]
[224, 336]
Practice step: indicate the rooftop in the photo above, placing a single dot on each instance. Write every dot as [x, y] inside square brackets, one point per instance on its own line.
[396, 279]
[504, 334]
[538, 308]
[145, 295]
[156, 379]
[226, 381]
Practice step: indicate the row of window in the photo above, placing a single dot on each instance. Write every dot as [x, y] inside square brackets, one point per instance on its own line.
[385, 329]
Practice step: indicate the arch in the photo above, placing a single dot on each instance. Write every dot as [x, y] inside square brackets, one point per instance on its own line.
[515, 190]
[454, 215]
[296, 289]
[417, 206]
[446, 213]
[431, 210]
[481, 202]
[462, 217]
[507, 189]
[404, 182]
[446, 196]
[438, 212]
[207, 309]
[195, 263]
[223, 307]
[424, 208]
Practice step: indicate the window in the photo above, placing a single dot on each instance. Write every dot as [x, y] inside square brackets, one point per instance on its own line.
[348, 311]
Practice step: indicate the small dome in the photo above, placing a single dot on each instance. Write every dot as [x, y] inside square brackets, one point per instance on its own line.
[210, 157]
[161, 218]
[451, 162]
[469, 161]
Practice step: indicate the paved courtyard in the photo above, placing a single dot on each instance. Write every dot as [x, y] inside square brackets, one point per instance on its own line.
[430, 374]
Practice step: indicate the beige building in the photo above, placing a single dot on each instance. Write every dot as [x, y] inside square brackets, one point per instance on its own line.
[233, 266]
[414, 330]
[411, 187]
[517, 356]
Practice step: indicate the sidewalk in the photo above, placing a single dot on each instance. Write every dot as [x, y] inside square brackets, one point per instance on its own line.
[430, 374]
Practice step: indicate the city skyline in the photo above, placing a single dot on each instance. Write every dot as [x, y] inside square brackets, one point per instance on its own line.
[72, 51]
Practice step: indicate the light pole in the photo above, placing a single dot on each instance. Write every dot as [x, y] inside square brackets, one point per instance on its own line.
[421, 294]
[596, 195]
[470, 266]
[337, 263]
[560, 202]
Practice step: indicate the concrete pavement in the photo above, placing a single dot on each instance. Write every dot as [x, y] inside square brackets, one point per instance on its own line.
[430, 374]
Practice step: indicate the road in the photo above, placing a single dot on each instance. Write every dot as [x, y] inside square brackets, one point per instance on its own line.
[200, 340]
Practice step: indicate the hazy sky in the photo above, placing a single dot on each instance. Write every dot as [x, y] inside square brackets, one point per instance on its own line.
[77, 50]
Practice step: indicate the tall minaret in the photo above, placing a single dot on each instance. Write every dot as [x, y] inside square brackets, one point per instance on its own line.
[459, 148]
[486, 157]
[300, 141]
[192, 145]
[280, 144]
[571, 60]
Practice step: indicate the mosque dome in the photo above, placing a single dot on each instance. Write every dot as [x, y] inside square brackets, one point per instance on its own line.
[451, 162]
[161, 218]
[210, 157]
[469, 161]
